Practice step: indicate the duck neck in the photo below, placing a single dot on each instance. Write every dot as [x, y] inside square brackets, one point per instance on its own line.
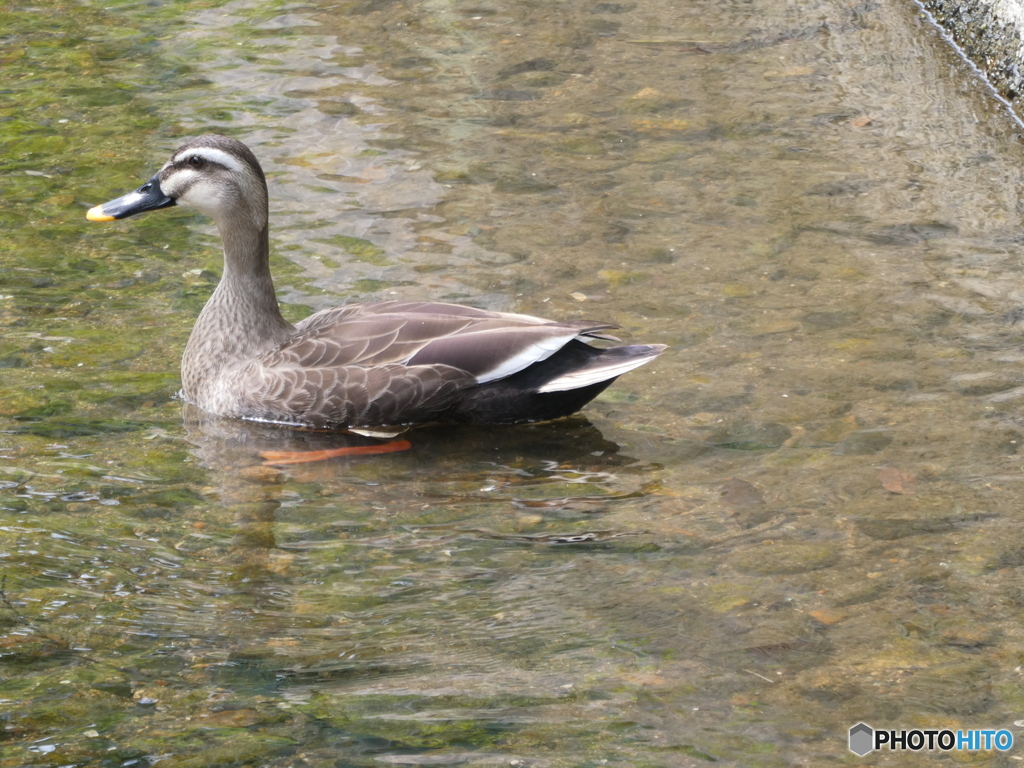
[246, 289]
[241, 320]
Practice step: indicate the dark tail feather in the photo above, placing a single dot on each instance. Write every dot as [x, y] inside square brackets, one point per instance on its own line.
[552, 388]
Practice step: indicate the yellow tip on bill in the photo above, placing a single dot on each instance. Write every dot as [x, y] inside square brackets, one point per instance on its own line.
[97, 214]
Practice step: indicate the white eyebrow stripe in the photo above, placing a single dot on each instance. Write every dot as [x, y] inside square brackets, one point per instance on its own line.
[218, 156]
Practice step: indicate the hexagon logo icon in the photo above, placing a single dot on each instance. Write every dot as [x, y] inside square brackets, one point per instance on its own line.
[862, 739]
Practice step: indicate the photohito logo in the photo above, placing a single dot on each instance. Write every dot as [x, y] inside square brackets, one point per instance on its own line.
[865, 739]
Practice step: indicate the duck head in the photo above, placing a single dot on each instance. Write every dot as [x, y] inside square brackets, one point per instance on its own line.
[215, 175]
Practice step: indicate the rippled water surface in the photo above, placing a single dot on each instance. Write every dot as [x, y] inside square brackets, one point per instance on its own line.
[804, 515]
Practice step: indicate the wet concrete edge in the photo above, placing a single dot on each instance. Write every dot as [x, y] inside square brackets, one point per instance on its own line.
[990, 33]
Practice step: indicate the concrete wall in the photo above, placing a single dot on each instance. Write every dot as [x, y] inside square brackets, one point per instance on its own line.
[991, 33]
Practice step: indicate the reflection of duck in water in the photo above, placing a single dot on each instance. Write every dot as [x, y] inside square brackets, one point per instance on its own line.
[230, 445]
[449, 467]
[372, 367]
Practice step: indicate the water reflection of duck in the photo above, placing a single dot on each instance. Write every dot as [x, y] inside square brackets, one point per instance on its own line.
[359, 366]
[230, 446]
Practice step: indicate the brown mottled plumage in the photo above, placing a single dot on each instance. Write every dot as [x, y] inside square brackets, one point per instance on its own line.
[360, 366]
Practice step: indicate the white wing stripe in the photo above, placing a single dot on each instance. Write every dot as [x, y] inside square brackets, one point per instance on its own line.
[593, 375]
[540, 350]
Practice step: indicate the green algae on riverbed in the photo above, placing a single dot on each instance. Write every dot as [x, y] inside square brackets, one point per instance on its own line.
[72, 318]
[78, 128]
[180, 677]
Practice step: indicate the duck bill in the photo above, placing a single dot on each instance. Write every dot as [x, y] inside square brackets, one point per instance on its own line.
[148, 197]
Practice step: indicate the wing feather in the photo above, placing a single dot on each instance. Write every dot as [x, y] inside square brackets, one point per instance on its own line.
[495, 353]
[394, 363]
[350, 396]
[488, 344]
[611, 364]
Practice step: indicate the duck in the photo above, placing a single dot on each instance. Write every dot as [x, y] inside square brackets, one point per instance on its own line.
[375, 368]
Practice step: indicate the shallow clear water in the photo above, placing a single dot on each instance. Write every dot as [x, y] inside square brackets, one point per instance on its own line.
[804, 515]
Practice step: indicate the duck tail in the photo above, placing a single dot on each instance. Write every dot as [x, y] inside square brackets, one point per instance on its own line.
[551, 388]
[609, 364]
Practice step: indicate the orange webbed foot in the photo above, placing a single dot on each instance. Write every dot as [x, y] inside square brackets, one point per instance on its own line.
[281, 458]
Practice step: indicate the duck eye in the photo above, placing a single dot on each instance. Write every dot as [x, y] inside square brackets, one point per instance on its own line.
[196, 161]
